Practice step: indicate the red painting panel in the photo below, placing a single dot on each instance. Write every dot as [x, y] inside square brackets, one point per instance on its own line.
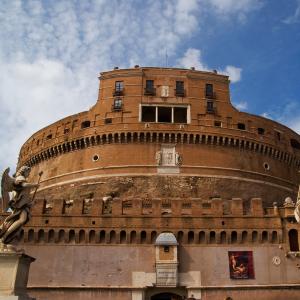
[241, 264]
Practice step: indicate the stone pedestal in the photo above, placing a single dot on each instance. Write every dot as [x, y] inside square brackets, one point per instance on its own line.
[14, 269]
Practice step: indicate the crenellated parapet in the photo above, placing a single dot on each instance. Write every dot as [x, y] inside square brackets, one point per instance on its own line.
[133, 220]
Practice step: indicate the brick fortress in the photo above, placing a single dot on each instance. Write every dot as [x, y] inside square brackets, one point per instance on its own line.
[163, 190]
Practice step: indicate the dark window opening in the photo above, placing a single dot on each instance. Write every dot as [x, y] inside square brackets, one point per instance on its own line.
[85, 124]
[179, 91]
[37, 142]
[218, 123]
[180, 115]
[209, 91]
[260, 131]
[293, 240]
[117, 104]
[66, 130]
[149, 89]
[295, 144]
[165, 114]
[166, 248]
[210, 107]
[241, 126]
[119, 88]
[108, 120]
[206, 205]
[119, 85]
[148, 113]
[278, 135]
[49, 136]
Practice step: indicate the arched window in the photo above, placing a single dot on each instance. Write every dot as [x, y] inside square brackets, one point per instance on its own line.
[202, 239]
[102, 236]
[212, 237]
[264, 237]
[223, 237]
[274, 238]
[293, 240]
[180, 236]
[92, 236]
[191, 237]
[71, 236]
[123, 237]
[112, 238]
[254, 236]
[244, 236]
[133, 237]
[233, 237]
[41, 236]
[143, 237]
[153, 236]
[30, 235]
[51, 236]
[81, 236]
[61, 236]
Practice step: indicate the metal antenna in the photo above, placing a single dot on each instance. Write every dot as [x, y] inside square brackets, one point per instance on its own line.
[166, 57]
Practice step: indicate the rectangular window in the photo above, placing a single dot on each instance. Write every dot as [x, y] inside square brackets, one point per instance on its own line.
[180, 115]
[260, 130]
[148, 113]
[210, 107]
[241, 126]
[179, 91]
[117, 104]
[119, 88]
[149, 84]
[149, 89]
[164, 114]
[218, 124]
[209, 91]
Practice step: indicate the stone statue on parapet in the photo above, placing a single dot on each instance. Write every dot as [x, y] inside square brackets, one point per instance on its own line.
[19, 204]
[297, 207]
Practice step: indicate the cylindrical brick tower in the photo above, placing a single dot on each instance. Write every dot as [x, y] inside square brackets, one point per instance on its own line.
[165, 132]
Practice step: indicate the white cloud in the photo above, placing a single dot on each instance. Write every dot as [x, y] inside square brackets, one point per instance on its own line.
[193, 58]
[52, 51]
[266, 115]
[286, 114]
[234, 73]
[295, 125]
[295, 18]
[227, 8]
[243, 105]
[51, 54]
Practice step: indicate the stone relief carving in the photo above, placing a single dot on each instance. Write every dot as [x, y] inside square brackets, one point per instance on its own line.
[168, 156]
[20, 203]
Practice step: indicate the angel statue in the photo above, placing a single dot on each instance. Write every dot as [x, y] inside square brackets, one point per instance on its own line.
[20, 203]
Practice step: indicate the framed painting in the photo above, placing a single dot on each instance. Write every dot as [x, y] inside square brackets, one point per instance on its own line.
[241, 264]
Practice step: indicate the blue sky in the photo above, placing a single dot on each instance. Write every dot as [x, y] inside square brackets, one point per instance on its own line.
[51, 53]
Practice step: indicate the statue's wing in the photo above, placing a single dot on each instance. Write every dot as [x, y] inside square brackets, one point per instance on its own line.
[6, 187]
